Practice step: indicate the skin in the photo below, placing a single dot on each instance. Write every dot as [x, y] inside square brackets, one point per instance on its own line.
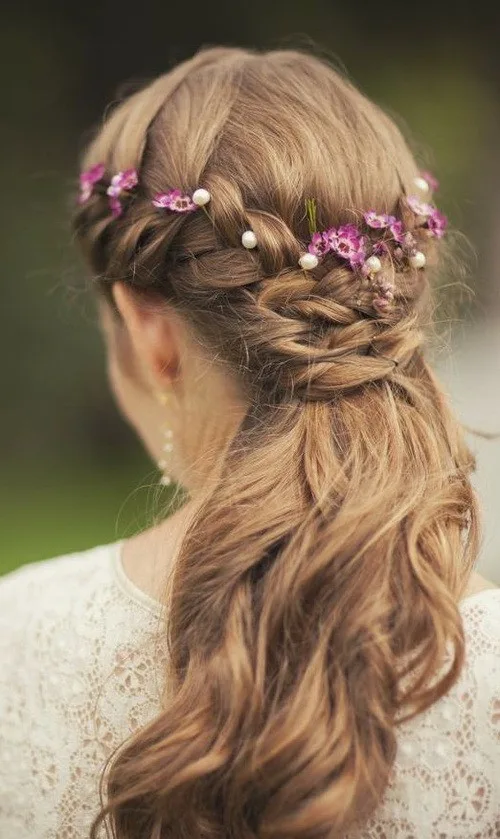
[151, 351]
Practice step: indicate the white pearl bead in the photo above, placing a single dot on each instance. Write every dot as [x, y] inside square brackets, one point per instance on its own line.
[201, 197]
[417, 259]
[373, 265]
[165, 480]
[308, 261]
[422, 184]
[249, 239]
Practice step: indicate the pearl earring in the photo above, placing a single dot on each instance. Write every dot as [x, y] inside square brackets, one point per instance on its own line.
[167, 447]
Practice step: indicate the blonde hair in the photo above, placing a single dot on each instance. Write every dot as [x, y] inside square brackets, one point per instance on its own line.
[313, 605]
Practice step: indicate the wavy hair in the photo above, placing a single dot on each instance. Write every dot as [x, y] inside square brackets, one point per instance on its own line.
[325, 606]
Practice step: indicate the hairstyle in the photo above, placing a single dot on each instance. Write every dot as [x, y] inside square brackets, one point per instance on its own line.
[314, 605]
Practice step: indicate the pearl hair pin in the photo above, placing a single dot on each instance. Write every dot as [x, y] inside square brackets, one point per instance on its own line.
[417, 259]
[422, 184]
[201, 197]
[372, 265]
[249, 239]
[308, 261]
[178, 202]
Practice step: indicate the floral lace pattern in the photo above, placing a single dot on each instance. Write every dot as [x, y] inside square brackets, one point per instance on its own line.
[81, 665]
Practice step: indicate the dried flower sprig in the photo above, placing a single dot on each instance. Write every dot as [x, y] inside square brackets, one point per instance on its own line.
[311, 214]
[122, 182]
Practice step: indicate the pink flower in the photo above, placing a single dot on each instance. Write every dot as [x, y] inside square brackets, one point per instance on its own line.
[330, 238]
[356, 260]
[431, 180]
[348, 243]
[116, 206]
[174, 200]
[121, 182]
[129, 179]
[397, 230]
[88, 179]
[420, 208]
[114, 189]
[437, 223]
[378, 221]
[318, 245]
[386, 289]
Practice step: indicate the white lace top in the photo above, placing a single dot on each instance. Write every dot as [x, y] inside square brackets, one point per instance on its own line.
[80, 669]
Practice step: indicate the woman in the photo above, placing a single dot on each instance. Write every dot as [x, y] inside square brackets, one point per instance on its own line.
[303, 648]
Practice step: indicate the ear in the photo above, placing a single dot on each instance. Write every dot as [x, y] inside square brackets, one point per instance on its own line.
[152, 333]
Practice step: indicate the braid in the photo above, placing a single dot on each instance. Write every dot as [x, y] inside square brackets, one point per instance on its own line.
[313, 336]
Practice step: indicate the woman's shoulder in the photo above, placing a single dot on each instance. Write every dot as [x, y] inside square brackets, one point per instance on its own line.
[78, 654]
[57, 578]
[90, 581]
[65, 621]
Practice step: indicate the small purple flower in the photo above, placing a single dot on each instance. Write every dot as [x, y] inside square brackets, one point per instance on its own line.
[174, 200]
[113, 189]
[330, 239]
[420, 208]
[349, 244]
[348, 231]
[431, 180]
[121, 182]
[318, 245]
[115, 204]
[357, 259]
[378, 221]
[437, 223]
[88, 179]
[386, 289]
[397, 230]
[129, 179]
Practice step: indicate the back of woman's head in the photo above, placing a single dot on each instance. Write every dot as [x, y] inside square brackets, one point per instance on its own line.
[314, 600]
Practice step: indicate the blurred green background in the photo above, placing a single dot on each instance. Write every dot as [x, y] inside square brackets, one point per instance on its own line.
[73, 473]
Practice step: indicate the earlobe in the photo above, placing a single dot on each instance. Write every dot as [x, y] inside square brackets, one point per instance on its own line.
[151, 333]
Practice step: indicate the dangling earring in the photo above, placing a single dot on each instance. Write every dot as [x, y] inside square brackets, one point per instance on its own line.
[167, 447]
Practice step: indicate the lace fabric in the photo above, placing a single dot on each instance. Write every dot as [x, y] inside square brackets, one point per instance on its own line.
[81, 664]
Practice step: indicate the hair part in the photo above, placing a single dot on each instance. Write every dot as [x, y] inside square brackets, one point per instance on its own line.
[324, 608]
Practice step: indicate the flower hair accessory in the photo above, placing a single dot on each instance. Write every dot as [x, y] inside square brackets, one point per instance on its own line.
[122, 182]
[361, 249]
[88, 179]
[175, 201]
